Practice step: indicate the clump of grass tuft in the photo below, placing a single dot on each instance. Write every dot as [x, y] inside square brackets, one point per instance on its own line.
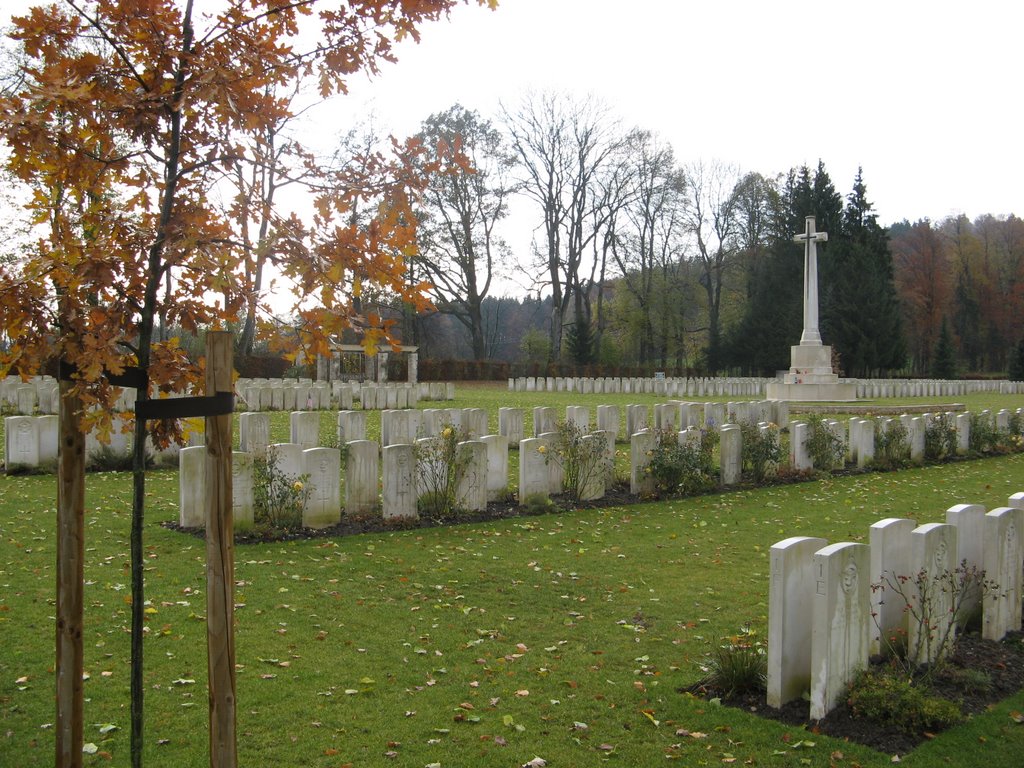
[741, 666]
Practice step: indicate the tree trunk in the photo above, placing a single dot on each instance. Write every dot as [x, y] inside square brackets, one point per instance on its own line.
[138, 589]
[70, 585]
[220, 559]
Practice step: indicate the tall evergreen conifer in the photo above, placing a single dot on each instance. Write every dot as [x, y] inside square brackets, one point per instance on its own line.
[1016, 372]
[861, 309]
[944, 359]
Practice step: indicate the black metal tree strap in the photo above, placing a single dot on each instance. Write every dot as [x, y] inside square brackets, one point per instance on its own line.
[217, 404]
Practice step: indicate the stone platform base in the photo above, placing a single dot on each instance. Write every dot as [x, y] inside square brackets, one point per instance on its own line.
[825, 392]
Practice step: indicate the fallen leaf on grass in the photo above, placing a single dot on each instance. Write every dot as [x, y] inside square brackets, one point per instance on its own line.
[646, 713]
[1017, 717]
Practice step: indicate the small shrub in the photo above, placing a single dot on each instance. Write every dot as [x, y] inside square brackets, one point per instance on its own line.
[582, 461]
[278, 497]
[825, 448]
[1016, 424]
[439, 468]
[984, 438]
[891, 698]
[762, 451]
[928, 599]
[975, 681]
[686, 468]
[940, 438]
[892, 446]
[537, 504]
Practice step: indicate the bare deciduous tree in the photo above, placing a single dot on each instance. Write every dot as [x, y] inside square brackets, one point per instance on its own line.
[563, 148]
[460, 251]
[711, 218]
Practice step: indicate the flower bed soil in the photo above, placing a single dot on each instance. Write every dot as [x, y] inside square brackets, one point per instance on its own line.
[1003, 662]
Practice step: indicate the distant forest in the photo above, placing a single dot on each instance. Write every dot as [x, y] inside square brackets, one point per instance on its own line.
[640, 262]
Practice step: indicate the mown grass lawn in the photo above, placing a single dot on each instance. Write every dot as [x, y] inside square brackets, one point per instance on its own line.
[564, 636]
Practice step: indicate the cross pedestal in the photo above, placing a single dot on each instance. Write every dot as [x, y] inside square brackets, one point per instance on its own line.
[810, 377]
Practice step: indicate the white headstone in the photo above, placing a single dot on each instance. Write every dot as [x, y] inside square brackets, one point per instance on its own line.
[636, 419]
[22, 439]
[578, 415]
[533, 468]
[915, 435]
[890, 565]
[934, 555]
[287, 458]
[471, 489]
[305, 428]
[730, 450]
[497, 465]
[49, 439]
[841, 620]
[799, 434]
[866, 442]
[26, 399]
[192, 487]
[254, 432]
[243, 501]
[399, 482]
[1004, 554]
[665, 416]
[544, 419]
[361, 471]
[556, 474]
[608, 419]
[641, 446]
[963, 432]
[594, 479]
[510, 424]
[790, 600]
[474, 422]
[323, 498]
[351, 426]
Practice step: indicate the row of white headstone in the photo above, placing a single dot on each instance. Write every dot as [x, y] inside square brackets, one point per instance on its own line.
[832, 606]
[858, 435]
[876, 388]
[754, 386]
[306, 394]
[25, 397]
[40, 395]
[672, 387]
[388, 480]
[31, 441]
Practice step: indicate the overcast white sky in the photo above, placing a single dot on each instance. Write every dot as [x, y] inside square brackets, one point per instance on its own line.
[926, 96]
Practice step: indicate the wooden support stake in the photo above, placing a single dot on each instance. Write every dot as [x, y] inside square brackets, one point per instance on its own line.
[220, 558]
[70, 585]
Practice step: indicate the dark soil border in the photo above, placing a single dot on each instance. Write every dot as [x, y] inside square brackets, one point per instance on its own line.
[1002, 661]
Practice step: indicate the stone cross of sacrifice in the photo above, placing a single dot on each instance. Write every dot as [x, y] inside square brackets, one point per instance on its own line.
[810, 238]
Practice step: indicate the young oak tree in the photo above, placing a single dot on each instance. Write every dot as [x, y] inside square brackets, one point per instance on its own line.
[124, 123]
